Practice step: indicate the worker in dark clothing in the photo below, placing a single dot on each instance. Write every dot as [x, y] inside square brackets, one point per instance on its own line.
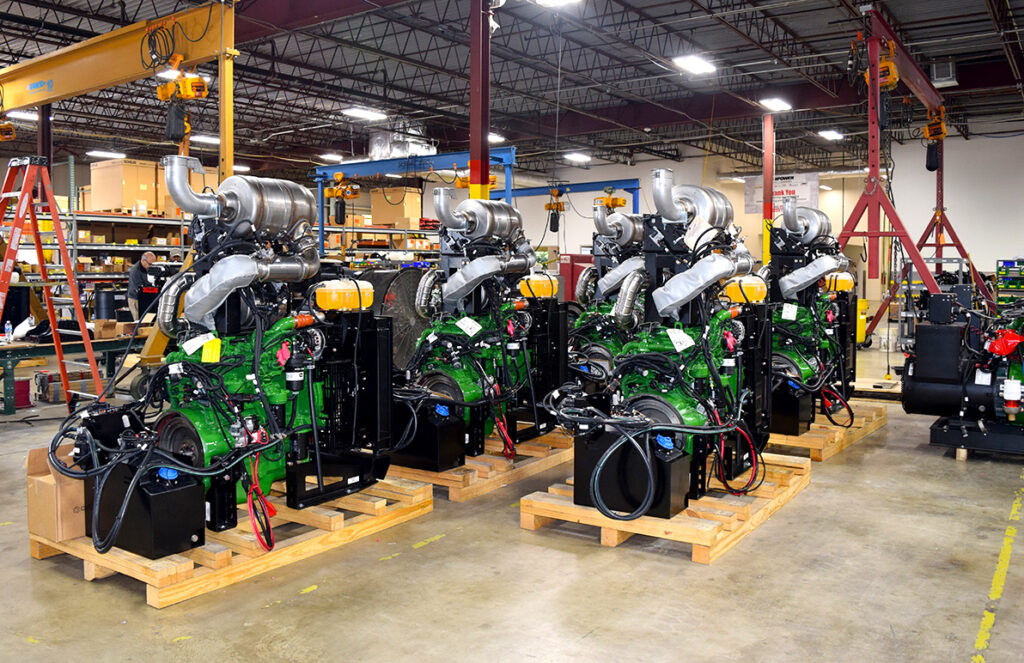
[138, 279]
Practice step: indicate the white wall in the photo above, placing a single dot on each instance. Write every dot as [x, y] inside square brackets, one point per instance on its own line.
[984, 186]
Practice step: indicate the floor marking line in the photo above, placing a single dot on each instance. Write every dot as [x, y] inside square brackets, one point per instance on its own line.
[988, 617]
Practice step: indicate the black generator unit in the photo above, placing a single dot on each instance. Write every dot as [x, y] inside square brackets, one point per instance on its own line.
[165, 514]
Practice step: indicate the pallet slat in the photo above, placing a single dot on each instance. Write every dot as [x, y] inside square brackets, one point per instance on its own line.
[486, 473]
[234, 555]
[711, 525]
[825, 440]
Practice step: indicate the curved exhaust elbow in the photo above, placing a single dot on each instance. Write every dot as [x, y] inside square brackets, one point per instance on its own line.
[443, 197]
[601, 221]
[624, 311]
[789, 218]
[302, 265]
[664, 202]
[167, 306]
[176, 178]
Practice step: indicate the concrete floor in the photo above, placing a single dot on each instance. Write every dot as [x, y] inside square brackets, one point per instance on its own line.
[889, 554]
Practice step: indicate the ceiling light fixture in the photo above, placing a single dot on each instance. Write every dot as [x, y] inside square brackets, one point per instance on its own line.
[577, 157]
[741, 180]
[239, 168]
[364, 114]
[394, 176]
[172, 74]
[104, 154]
[495, 138]
[775, 104]
[825, 187]
[694, 64]
[208, 140]
[331, 157]
[28, 116]
[556, 3]
[831, 134]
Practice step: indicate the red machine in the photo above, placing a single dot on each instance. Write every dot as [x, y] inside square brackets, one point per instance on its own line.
[569, 267]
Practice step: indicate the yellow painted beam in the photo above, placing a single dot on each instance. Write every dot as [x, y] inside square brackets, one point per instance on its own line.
[226, 95]
[114, 58]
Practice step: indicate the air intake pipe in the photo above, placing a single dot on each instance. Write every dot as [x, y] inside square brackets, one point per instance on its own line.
[796, 281]
[685, 286]
[611, 281]
[625, 229]
[463, 282]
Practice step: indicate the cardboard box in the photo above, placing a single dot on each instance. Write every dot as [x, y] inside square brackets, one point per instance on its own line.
[56, 503]
[98, 239]
[389, 205]
[124, 184]
[408, 223]
[84, 236]
[85, 198]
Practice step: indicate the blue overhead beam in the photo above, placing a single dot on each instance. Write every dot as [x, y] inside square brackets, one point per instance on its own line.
[630, 186]
[324, 175]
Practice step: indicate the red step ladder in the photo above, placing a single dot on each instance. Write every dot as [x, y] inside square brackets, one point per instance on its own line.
[35, 171]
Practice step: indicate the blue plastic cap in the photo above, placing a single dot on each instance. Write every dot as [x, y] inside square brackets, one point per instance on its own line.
[665, 441]
[794, 384]
[168, 473]
[585, 368]
[442, 410]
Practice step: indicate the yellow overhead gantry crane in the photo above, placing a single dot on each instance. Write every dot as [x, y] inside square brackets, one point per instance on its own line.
[121, 57]
[127, 54]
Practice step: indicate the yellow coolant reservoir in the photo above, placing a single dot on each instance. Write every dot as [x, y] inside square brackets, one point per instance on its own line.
[746, 289]
[344, 295]
[538, 285]
[839, 282]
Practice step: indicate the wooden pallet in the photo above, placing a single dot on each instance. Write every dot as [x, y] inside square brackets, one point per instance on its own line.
[491, 470]
[232, 556]
[711, 525]
[825, 440]
[130, 211]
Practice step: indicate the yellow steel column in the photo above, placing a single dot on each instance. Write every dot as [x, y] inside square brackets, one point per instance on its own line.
[226, 92]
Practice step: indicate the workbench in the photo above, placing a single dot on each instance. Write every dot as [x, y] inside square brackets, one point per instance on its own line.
[11, 354]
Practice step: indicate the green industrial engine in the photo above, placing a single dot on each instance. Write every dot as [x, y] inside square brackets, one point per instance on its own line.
[272, 363]
[813, 321]
[495, 344]
[689, 393]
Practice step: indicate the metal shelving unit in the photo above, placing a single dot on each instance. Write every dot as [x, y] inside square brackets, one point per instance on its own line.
[420, 255]
[1009, 281]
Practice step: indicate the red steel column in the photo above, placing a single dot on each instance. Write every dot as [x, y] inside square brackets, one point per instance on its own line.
[874, 179]
[768, 189]
[479, 99]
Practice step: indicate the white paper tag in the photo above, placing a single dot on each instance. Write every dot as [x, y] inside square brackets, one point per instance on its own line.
[431, 338]
[983, 378]
[680, 339]
[193, 344]
[728, 362]
[789, 311]
[469, 325]
[352, 480]
[830, 332]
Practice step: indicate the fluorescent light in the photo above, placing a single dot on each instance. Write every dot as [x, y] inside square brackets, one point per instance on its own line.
[776, 104]
[495, 138]
[694, 64]
[556, 3]
[331, 157]
[394, 176]
[103, 154]
[740, 180]
[239, 168]
[172, 74]
[825, 187]
[29, 116]
[200, 138]
[364, 114]
[831, 134]
[577, 157]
